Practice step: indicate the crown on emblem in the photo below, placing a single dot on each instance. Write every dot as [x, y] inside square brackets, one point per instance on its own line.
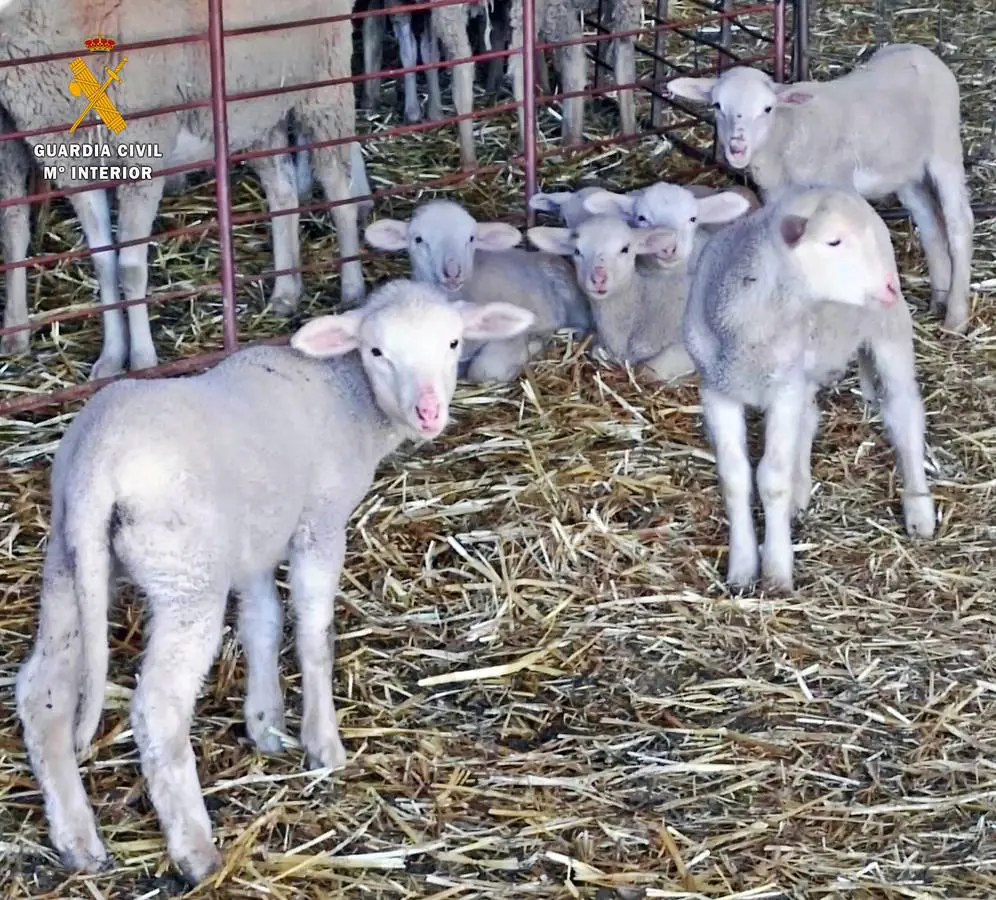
[100, 44]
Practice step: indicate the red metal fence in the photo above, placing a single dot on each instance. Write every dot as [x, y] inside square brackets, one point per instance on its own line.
[709, 32]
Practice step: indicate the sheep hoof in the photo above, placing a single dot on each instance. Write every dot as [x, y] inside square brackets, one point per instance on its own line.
[107, 366]
[921, 518]
[17, 344]
[200, 864]
[85, 854]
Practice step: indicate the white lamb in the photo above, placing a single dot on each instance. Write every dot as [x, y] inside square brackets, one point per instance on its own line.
[693, 213]
[890, 126]
[637, 309]
[780, 302]
[479, 262]
[569, 205]
[198, 486]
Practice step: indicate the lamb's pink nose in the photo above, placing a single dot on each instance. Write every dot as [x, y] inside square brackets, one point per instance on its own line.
[451, 269]
[427, 408]
[599, 277]
[890, 293]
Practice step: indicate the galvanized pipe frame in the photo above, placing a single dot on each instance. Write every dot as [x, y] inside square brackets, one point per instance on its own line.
[223, 159]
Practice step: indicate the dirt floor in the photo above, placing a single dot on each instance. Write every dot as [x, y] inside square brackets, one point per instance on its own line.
[543, 686]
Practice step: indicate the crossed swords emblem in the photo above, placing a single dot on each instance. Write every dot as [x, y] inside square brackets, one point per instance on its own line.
[85, 83]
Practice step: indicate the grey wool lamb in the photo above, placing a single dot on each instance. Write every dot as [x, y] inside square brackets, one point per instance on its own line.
[780, 303]
[891, 126]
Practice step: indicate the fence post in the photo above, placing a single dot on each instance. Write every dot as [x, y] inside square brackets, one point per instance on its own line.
[779, 29]
[660, 45]
[219, 113]
[528, 63]
[800, 49]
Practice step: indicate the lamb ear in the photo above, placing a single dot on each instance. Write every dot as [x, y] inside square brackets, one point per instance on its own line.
[387, 234]
[329, 336]
[719, 208]
[491, 321]
[793, 228]
[606, 203]
[552, 240]
[699, 90]
[549, 202]
[789, 96]
[495, 236]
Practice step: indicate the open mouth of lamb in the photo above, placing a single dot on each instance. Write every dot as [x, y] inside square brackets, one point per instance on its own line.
[737, 149]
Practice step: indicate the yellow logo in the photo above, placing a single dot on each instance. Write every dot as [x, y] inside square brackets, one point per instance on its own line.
[85, 84]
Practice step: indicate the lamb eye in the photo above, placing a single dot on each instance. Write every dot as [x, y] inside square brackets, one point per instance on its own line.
[767, 109]
[376, 351]
[693, 219]
[577, 252]
[835, 243]
[453, 343]
[715, 106]
[418, 239]
[641, 218]
[625, 249]
[472, 239]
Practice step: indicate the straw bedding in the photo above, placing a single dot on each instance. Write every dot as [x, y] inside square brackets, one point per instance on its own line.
[543, 687]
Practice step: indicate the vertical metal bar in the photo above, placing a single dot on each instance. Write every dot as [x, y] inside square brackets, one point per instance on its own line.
[779, 29]
[724, 35]
[800, 50]
[529, 101]
[660, 45]
[219, 110]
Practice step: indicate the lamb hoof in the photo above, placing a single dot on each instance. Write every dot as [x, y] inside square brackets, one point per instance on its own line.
[84, 854]
[107, 366]
[264, 730]
[921, 518]
[413, 114]
[325, 753]
[742, 568]
[16, 344]
[284, 304]
[199, 864]
[956, 324]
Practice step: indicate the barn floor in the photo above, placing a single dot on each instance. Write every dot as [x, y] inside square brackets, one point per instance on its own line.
[544, 689]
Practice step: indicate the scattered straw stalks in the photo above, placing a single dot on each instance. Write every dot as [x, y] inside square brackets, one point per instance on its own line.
[544, 688]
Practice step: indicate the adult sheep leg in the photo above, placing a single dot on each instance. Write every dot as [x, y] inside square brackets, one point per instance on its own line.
[47, 694]
[573, 77]
[373, 56]
[450, 25]
[138, 204]
[919, 199]
[15, 223]
[727, 429]
[332, 168]
[315, 566]
[625, 73]
[94, 212]
[429, 49]
[776, 480]
[902, 412]
[280, 184]
[185, 633]
[260, 630]
[401, 23]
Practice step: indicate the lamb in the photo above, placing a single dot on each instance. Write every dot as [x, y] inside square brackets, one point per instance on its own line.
[779, 304]
[479, 262]
[197, 486]
[569, 205]
[637, 310]
[891, 126]
[36, 97]
[692, 212]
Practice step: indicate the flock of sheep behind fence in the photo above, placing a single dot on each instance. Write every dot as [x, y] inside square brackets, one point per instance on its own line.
[33, 98]
[199, 486]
